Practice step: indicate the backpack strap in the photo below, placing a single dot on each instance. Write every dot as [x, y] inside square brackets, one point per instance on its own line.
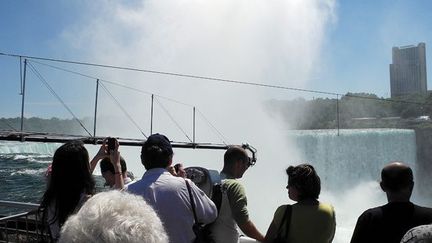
[216, 191]
[192, 202]
[217, 196]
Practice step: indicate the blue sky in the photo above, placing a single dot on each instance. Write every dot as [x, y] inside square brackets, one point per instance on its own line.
[358, 47]
[354, 52]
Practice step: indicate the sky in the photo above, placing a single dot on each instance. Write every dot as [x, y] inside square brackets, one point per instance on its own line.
[354, 54]
[325, 45]
[357, 52]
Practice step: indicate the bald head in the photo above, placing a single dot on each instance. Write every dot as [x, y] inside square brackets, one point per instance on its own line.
[396, 176]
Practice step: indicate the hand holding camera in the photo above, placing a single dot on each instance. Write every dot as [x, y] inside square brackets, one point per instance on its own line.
[113, 152]
[114, 155]
[112, 142]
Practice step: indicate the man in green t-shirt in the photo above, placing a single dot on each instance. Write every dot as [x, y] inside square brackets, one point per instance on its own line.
[233, 213]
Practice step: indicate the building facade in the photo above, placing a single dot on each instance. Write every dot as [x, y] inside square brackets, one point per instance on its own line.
[408, 70]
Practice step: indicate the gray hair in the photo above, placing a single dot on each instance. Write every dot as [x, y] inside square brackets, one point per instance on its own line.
[114, 216]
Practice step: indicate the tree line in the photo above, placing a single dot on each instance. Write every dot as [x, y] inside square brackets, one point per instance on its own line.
[46, 125]
[353, 110]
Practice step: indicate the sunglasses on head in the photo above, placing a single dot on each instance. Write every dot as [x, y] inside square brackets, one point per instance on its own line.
[249, 161]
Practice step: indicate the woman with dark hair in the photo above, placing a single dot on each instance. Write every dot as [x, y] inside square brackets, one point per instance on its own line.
[308, 220]
[70, 185]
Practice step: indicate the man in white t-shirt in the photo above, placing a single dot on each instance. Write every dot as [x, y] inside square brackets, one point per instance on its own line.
[168, 194]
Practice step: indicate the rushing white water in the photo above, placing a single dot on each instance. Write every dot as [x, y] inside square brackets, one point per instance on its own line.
[28, 148]
[353, 156]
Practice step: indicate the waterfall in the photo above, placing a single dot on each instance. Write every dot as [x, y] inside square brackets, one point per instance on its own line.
[28, 148]
[355, 155]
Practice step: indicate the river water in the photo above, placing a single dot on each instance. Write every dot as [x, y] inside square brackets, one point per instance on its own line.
[22, 172]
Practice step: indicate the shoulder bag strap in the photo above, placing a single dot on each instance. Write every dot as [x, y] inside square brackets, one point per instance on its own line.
[192, 202]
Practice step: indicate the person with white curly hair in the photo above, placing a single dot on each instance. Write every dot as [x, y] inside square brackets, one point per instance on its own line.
[114, 216]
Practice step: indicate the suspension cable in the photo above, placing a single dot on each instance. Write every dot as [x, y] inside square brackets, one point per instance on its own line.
[41, 78]
[194, 77]
[123, 109]
[214, 128]
[8, 124]
[127, 87]
[208, 78]
[21, 77]
[165, 73]
[111, 82]
[173, 120]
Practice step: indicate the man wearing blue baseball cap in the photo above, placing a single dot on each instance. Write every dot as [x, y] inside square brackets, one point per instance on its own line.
[168, 194]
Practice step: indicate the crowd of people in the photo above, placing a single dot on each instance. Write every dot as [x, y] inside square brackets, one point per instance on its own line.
[165, 206]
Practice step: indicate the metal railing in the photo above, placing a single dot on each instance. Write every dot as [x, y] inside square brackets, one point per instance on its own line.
[22, 227]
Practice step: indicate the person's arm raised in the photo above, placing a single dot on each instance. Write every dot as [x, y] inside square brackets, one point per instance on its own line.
[102, 153]
[115, 160]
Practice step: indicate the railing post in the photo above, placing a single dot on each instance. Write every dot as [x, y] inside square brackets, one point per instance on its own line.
[96, 104]
[151, 115]
[21, 76]
[23, 95]
[337, 113]
[194, 124]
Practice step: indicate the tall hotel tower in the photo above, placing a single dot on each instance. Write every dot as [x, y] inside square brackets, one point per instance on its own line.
[408, 70]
